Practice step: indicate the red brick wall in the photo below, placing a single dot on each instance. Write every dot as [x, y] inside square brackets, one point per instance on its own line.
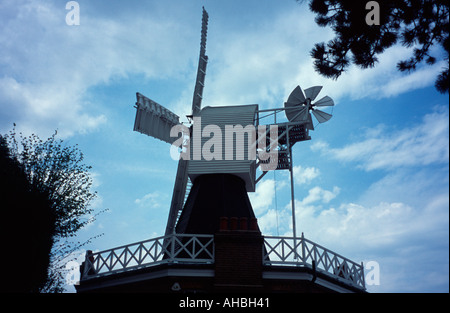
[238, 258]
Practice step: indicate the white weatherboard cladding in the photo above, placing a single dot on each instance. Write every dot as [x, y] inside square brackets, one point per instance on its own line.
[238, 161]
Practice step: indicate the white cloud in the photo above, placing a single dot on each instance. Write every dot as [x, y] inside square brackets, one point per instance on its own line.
[264, 65]
[45, 107]
[384, 80]
[401, 222]
[372, 227]
[395, 233]
[319, 145]
[304, 175]
[150, 200]
[263, 196]
[415, 187]
[48, 66]
[275, 222]
[318, 194]
[271, 216]
[418, 145]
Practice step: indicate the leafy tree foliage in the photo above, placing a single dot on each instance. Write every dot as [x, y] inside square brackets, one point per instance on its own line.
[56, 176]
[27, 227]
[416, 24]
[57, 170]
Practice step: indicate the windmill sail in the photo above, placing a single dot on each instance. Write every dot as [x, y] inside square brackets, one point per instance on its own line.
[312, 92]
[321, 116]
[181, 180]
[296, 97]
[201, 71]
[154, 120]
[324, 102]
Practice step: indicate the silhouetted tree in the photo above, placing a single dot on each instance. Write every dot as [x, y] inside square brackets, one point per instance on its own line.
[59, 171]
[57, 174]
[27, 227]
[416, 24]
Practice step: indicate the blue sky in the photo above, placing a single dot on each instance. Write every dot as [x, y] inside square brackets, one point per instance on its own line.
[372, 184]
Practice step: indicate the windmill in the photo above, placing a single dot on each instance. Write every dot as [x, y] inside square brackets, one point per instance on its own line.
[208, 236]
[206, 187]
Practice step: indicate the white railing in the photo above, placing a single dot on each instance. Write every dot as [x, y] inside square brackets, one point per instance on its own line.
[178, 248]
[199, 249]
[289, 251]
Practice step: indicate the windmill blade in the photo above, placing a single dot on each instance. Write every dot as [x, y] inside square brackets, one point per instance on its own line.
[312, 92]
[291, 104]
[154, 120]
[201, 70]
[324, 102]
[321, 116]
[296, 96]
[297, 113]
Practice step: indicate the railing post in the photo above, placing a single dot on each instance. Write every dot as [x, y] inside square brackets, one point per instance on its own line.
[172, 248]
[88, 264]
[263, 252]
[315, 252]
[363, 278]
[303, 249]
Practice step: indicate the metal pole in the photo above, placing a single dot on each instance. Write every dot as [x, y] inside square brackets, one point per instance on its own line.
[292, 194]
[294, 231]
